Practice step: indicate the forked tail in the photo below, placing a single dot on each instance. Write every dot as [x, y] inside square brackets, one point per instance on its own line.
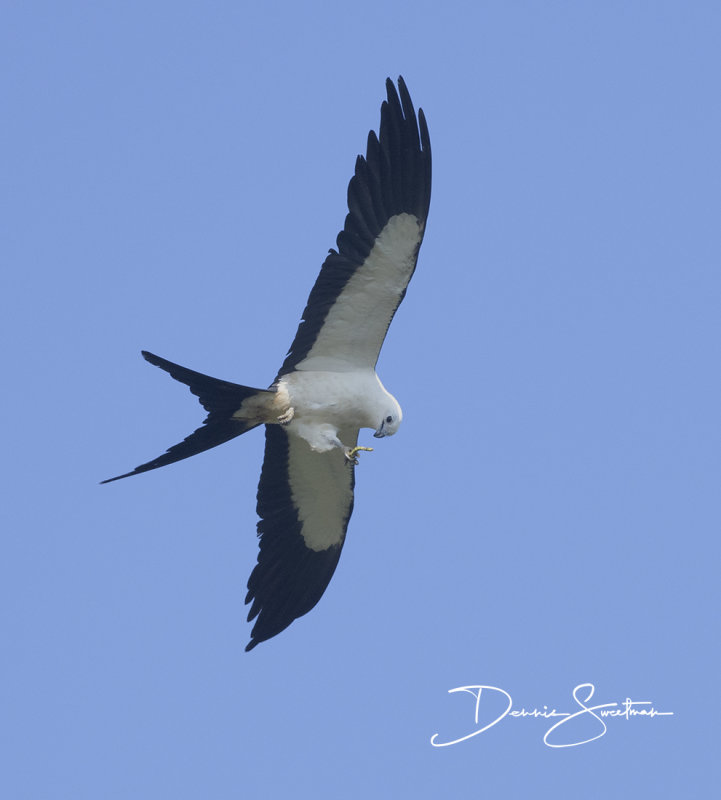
[220, 399]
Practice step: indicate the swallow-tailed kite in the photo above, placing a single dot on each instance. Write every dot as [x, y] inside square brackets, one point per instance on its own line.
[327, 388]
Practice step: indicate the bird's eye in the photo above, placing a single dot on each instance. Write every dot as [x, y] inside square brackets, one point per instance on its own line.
[389, 419]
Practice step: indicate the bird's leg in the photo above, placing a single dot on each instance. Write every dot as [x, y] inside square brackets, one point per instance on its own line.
[286, 416]
[351, 453]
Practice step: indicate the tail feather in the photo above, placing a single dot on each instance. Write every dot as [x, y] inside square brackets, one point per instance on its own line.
[217, 397]
[220, 399]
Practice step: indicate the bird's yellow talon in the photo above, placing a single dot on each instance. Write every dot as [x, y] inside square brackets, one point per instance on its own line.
[351, 453]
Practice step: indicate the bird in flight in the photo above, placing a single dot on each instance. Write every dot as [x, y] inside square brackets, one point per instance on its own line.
[327, 388]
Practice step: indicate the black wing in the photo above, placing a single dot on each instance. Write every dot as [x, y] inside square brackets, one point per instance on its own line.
[361, 285]
[305, 500]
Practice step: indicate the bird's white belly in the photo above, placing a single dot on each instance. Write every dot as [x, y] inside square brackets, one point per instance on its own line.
[325, 402]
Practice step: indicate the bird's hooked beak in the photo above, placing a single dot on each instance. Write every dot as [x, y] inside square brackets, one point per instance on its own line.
[380, 433]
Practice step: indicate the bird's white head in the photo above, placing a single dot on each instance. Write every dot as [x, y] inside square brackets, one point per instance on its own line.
[391, 419]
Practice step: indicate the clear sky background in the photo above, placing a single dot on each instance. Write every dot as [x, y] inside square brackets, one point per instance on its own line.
[548, 514]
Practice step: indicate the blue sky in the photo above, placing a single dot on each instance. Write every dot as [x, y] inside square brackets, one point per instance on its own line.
[547, 515]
